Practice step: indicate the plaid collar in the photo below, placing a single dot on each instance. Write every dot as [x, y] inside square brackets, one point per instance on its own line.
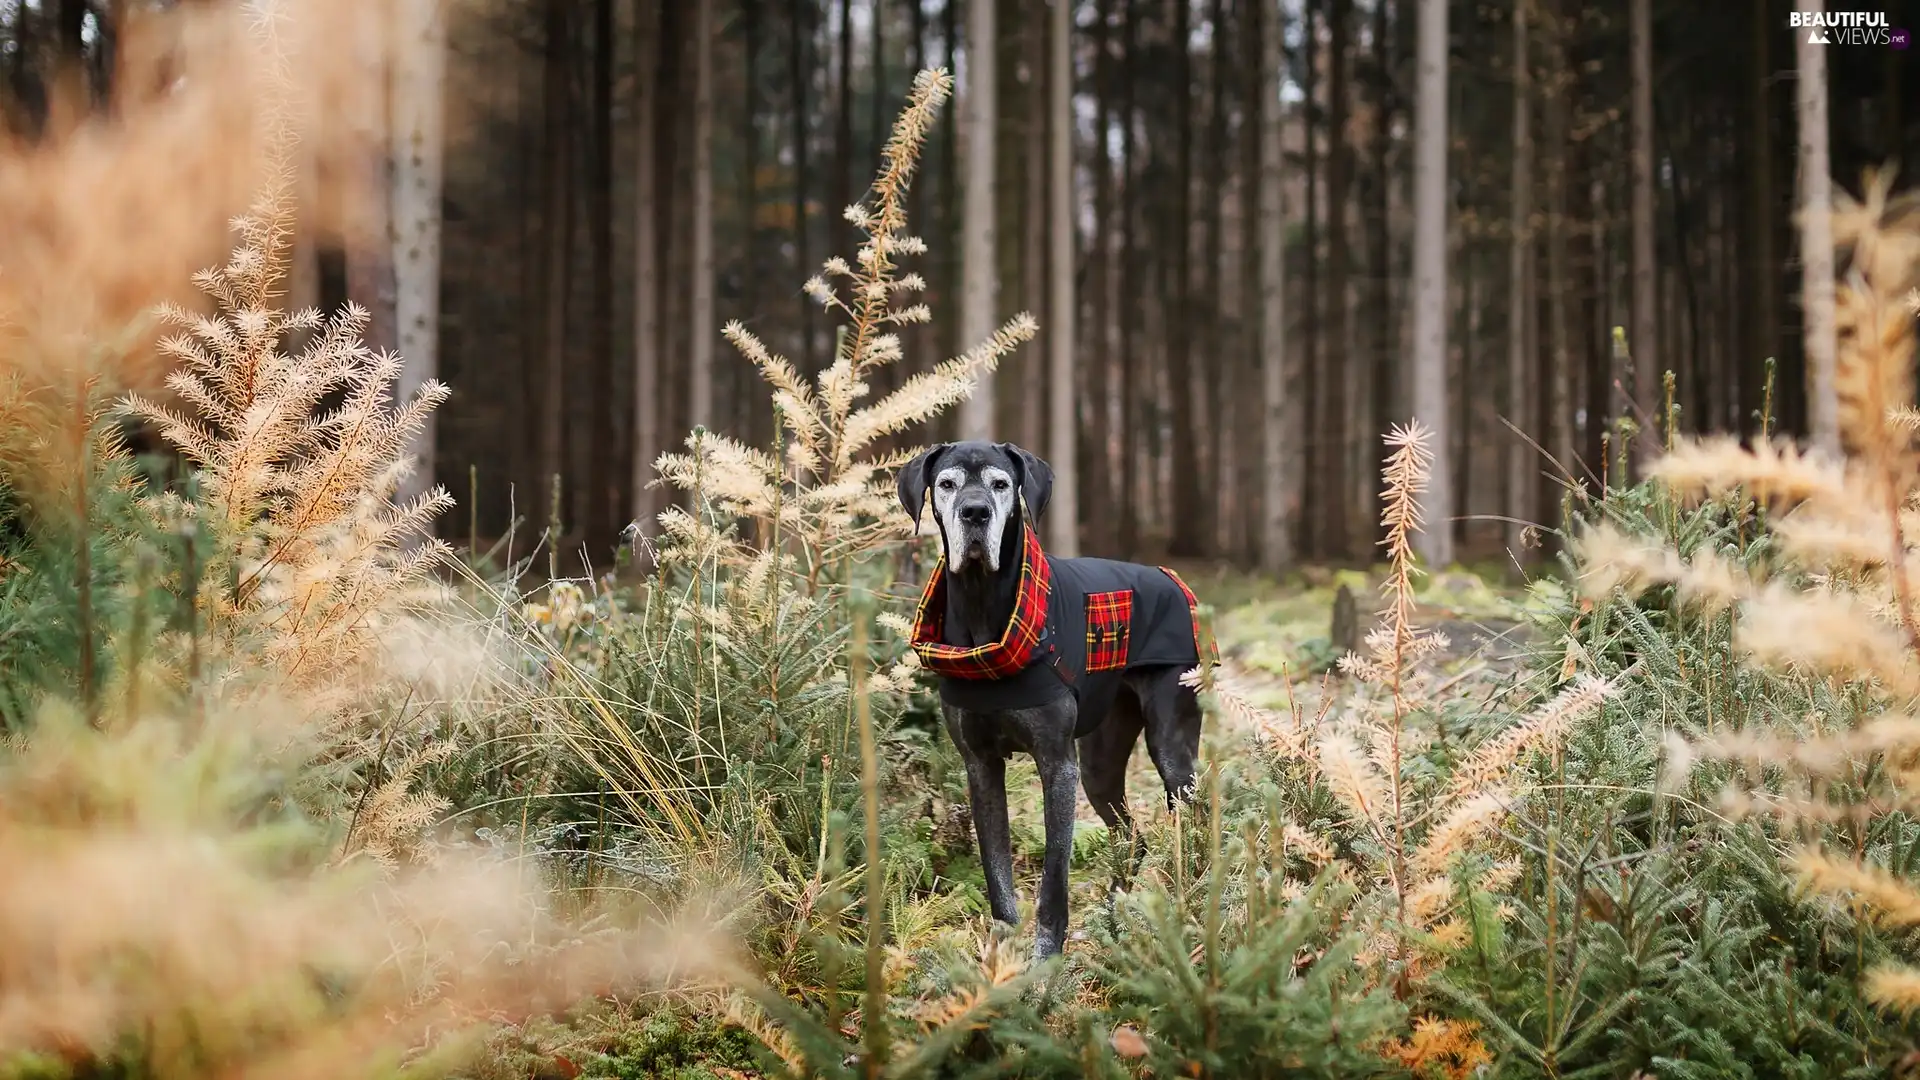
[1019, 644]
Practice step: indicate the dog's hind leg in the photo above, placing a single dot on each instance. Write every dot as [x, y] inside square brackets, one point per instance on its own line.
[1173, 729]
[1104, 754]
[1060, 796]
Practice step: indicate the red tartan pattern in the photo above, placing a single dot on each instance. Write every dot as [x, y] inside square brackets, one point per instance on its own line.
[1109, 626]
[1193, 609]
[1019, 644]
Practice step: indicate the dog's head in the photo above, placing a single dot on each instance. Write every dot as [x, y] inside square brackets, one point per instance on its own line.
[978, 488]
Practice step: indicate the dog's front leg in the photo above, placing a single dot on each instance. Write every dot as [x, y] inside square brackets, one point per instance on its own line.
[1060, 789]
[987, 792]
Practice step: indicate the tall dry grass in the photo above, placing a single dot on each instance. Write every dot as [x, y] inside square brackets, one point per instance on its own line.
[1836, 603]
[217, 858]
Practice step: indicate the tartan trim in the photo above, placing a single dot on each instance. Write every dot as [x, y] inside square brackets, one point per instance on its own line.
[1019, 644]
[1193, 611]
[1109, 626]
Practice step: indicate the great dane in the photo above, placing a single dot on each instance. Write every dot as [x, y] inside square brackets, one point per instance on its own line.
[1046, 656]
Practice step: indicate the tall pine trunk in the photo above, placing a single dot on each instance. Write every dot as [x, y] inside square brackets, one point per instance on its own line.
[700, 312]
[1560, 362]
[1520, 392]
[646, 441]
[1816, 241]
[1430, 383]
[418, 104]
[1098, 377]
[1062, 450]
[1282, 401]
[977, 226]
[602, 490]
[557, 264]
[1646, 365]
[797, 86]
[1331, 500]
[1188, 497]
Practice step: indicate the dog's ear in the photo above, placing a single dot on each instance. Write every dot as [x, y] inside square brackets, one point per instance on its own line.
[911, 483]
[1035, 478]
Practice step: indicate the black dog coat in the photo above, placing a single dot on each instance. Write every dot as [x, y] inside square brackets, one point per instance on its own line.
[1077, 626]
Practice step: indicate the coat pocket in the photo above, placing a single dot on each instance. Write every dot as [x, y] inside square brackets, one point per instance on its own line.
[1109, 625]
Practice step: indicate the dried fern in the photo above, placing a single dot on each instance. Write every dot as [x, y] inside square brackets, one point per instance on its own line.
[824, 489]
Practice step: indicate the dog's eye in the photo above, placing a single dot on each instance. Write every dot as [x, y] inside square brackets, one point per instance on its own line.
[1000, 485]
[946, 485]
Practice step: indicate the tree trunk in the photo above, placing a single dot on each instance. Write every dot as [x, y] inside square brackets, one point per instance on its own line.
[752, 407]
[1331, 501]
[1379, 338]
[370, 249]
[1097, 466]
[602, 485]
[1214, 372]
[1035, 230]
[978, 268]
[1188, 502]
[418, 104]
[1560, 371]
[559, 194]
[1430, 383]
[1520, 395]
[1816, 241]
[1064, 535]
[842, 190]
[701, 326]
[1130, 317]
[1762, 267]
[1646, 365]
[949, 245]
[797, 76]
[1282, 400]
[646, 443]
[1311, 539]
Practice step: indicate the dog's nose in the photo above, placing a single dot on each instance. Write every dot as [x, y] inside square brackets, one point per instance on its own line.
[975, 513]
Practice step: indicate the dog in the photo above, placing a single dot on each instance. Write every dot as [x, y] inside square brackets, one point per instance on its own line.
[1068, 660]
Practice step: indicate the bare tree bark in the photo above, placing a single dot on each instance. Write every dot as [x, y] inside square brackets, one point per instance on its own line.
[1214, 370]
[418, 104]
[1131, 315]
[1062, 453]
[977, 226]
[1430, 381]
[602, 486]
[842, 190]
[1103, 341]
[1031, 211]
[1520, 396]
[1310, 538]
[1560, 370]
[1187, 506]
[370, 280]
[797, 83]
[1331, 501]
[702, 328]
[646, 271]
[1645, 334]
[1816, 239]
[559, 224]
[1763, 268]
[1283, 403]
[752, 409]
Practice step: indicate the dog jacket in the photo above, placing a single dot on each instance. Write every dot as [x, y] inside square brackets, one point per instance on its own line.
[1077, 626]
